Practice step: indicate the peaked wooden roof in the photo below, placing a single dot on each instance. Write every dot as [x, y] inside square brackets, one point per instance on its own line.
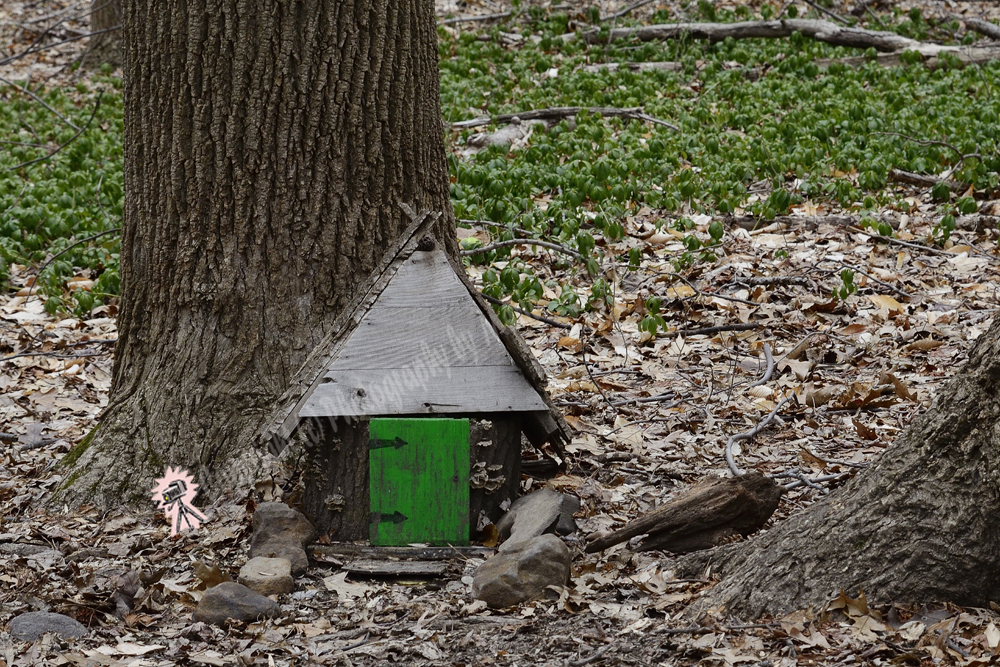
[542, 423]
[424, 347]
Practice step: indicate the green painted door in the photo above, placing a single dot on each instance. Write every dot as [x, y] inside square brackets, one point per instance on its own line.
[419, 480]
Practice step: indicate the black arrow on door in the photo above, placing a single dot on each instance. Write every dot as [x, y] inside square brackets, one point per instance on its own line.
[379, 443]
[395, 517]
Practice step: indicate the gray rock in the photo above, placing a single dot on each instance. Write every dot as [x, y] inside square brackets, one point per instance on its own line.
[236, 601]
[268, 576]
[540, 512]
[281, 532]
[29, 627]
[522, 572]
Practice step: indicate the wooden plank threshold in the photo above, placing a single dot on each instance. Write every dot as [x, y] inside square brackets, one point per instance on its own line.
[363, 551]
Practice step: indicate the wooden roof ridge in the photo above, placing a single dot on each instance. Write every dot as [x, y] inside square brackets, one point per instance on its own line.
[539, 427]
[554, 428]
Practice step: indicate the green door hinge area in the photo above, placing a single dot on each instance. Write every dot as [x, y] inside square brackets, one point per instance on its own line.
[419, 481]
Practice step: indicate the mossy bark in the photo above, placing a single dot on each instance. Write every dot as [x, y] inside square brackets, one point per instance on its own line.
[268, 147]
[919, 526]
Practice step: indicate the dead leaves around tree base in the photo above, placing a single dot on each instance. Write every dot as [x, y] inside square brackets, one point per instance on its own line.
[714, 512]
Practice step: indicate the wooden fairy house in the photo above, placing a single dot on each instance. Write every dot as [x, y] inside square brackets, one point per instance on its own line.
[417, 415]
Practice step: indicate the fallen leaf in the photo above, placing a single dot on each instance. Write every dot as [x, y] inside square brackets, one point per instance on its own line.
[992, 635]
[571, 344]
[887, 302]
[864, 431]
[127, 648]
[343, 588]
[924, 344]
[680, 292]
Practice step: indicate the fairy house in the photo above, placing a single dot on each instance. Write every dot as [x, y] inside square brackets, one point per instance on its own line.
[419, 408]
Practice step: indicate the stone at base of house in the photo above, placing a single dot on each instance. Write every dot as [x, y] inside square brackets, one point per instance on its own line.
[523, 572]
[235, 601]
[268, 576]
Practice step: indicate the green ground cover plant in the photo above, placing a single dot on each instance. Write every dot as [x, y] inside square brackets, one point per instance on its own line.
[762, 128]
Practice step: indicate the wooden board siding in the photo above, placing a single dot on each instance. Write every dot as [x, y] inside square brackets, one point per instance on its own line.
[409, 391]
[419, 481]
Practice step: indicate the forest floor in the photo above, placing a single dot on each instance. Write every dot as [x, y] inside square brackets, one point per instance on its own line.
[863, 329]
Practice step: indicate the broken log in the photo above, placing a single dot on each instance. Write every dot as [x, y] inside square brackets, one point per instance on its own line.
[711, 513]
[824, 31]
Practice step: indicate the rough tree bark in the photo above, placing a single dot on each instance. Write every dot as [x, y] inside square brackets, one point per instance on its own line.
[920, 525]
[268, 149]
[105, 15]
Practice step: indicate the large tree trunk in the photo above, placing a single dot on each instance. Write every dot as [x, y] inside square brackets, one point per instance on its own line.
[920, 525]
[105, 18]
[268, 149]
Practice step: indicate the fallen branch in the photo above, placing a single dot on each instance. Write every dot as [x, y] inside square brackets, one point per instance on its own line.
[554, 113]
[471, 19]
[746, 435]
[526, 313]
[593, 657]
[708, 331]
[769, 281]
[768, 371]
[820, 8]
[932, 55]
[923, 181]
[668, 66]
[27, 91]
[67, 249]
[513, 242]
[905, 295]
[894, 241]
[892, 45]
[862, 7]
[622, 12]
[97, 105]
[986, 28]
[824, 31]
[713, 512]
[29, 51]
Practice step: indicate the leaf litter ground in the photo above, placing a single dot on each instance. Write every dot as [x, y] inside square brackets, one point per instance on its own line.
[650, 413]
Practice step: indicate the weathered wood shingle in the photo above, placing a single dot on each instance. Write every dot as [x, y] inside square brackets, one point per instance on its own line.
[424, 347]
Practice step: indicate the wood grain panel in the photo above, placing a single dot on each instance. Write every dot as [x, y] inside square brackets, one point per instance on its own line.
[414, 391]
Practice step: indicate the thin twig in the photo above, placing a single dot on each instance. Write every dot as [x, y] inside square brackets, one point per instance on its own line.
[623, 12]
[895, 241]
[563, 112]
[83, 129]
[815, 480]
[504, 244]
[54, 355]
[768, 281]
[707, 331]
[526, 313]
[749, 434]
[65, 250]
[490, 223]
[470, 19]
[593, 657]
[653, 420]
[826, 11]
[27, 91]
[905, 295]
[31, 51]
